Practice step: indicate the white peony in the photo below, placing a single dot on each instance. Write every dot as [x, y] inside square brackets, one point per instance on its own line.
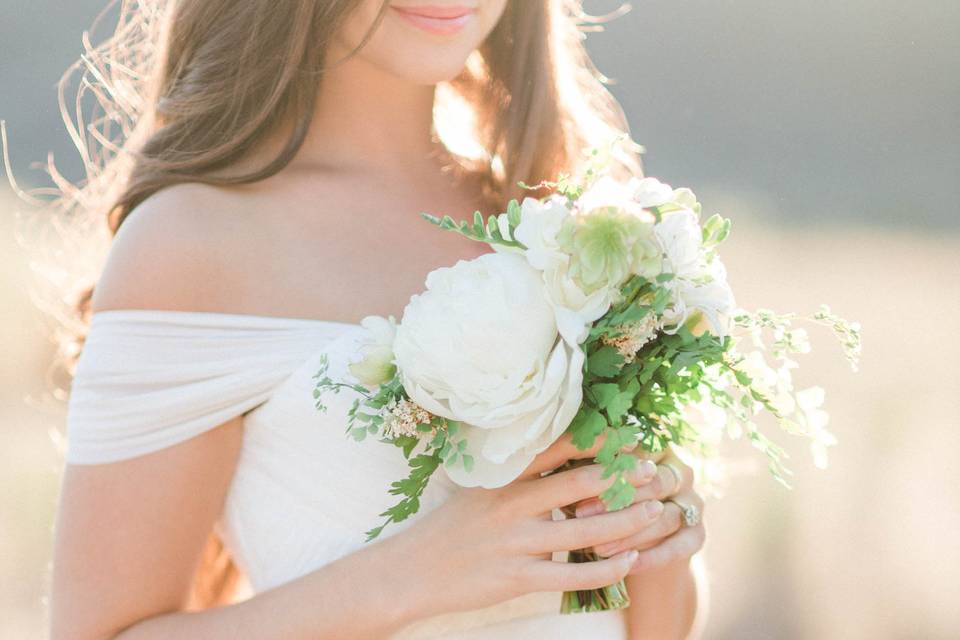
[481, 346]
[700, 281]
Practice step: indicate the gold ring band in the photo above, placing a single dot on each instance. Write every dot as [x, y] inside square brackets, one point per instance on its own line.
[676, 474]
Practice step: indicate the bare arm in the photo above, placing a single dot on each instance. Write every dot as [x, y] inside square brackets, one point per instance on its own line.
[129, 535]
[665, 601]
[667, 585]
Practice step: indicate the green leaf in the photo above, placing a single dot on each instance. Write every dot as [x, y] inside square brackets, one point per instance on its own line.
[605, 362]
[478, 230]
[513, 213]
[411, 488]
[586, 426]
[619, 406]
[618, 495]
[605, 392]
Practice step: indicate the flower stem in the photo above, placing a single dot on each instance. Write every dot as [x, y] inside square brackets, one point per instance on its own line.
[607, 598]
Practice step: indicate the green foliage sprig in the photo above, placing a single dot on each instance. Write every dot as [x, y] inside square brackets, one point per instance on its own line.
[436, 444]
[496, 229]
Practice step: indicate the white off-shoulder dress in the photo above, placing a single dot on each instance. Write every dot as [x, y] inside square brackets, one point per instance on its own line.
[303, 492]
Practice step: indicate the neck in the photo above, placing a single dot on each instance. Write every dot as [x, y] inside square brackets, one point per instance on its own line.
[368, 119]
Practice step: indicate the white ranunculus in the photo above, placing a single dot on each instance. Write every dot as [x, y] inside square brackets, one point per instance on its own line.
[699, 284]
[540, 223]
[481, 346]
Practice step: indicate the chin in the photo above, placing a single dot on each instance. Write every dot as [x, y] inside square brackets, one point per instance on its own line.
[423, 41]
[416, 70]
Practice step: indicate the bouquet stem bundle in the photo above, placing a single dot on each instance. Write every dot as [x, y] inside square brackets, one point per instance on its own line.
[607, 598]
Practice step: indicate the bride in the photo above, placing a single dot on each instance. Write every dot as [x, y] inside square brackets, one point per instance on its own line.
[279, 157]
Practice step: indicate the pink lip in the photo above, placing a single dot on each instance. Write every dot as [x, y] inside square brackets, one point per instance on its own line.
[441, 20]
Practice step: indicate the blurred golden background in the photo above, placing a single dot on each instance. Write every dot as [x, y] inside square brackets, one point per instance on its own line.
[830, 133]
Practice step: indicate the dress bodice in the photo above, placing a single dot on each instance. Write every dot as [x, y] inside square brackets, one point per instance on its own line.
[303, 492]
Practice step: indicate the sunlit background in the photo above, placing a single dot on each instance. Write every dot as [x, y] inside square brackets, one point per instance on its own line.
[830, 133]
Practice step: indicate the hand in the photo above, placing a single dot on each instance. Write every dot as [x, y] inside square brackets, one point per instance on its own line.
[667, 539]
[485, 546]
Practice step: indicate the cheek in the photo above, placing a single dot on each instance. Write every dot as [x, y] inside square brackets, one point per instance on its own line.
[404, 50]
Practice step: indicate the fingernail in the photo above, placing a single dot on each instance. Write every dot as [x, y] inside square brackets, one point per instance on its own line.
[653, 508]
[588, 509]
[606, 550]
[632, 556]
[648, 469]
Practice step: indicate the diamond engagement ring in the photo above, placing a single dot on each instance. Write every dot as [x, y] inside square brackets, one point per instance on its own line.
[691, 514]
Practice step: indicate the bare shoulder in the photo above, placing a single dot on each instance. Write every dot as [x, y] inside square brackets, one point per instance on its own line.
[174, 251]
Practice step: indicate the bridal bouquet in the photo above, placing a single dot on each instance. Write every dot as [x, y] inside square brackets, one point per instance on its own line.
[603, 311]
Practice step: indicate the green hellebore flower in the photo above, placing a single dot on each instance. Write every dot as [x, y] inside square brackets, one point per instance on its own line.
[607, 245]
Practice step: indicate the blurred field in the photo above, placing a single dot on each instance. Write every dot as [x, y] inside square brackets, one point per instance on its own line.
[866, 549]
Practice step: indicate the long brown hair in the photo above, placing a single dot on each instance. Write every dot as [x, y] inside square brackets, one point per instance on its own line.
[183, 89]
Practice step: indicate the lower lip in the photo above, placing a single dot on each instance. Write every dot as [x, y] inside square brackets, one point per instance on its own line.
[438, 26]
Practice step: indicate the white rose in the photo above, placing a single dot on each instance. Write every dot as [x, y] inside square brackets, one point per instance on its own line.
[481, 346]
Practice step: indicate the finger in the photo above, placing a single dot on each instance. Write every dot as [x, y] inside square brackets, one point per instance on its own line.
[668, 523]
[567, 487]
[574, 576]
[663, 485]
[560, 452]
[680, 546]
[582, 533]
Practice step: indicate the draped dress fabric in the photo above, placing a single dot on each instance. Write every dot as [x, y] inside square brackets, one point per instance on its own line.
[303, 491]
